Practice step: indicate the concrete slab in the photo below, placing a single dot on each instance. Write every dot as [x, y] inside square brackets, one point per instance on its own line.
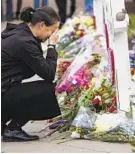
[74, 146]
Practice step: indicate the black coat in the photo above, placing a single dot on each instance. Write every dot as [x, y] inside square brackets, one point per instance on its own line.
[22, 57]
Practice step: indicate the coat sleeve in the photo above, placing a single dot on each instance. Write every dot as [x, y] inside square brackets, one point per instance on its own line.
[32, 56]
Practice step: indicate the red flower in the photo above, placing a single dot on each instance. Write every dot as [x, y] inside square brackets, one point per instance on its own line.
[76, 28]
[112, 109]
[68, 103]
[132, 71]
[87, 86]
[95, 101]
[81, 34]
[114, 100]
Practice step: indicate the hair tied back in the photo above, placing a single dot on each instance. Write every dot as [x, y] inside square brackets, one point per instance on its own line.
[27, 14]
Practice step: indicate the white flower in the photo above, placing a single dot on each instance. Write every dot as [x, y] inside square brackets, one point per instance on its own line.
[107, 101]
[133, 77]
[75, 135]
[99, 97]
[74, 81]
[61, 99]
[91, 58]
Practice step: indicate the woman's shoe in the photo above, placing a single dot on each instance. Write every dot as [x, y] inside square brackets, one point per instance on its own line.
[17, 135]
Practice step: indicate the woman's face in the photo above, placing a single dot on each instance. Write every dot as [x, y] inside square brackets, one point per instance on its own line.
[44, 32]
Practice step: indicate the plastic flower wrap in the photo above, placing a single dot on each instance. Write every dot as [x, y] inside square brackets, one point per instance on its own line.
[114, 122]
[85, 118]
[71, 50]
[71, 35]
[90, 72]
[79, 72]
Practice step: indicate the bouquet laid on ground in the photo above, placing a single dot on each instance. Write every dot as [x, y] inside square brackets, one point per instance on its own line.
[111, 128]
[86, 84]
[89, 72]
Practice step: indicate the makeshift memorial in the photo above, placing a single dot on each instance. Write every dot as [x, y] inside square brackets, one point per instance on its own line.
[86, 89]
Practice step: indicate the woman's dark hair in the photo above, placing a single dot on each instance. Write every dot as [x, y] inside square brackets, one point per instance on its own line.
[46, 14]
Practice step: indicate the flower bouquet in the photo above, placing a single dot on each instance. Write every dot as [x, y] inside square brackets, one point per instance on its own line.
[71, 35]
[101, 99]
[89, 56]
[76, 81]
[110, 128]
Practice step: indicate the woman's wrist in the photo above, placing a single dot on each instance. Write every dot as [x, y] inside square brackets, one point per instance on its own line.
[52, 46]
[52, 42]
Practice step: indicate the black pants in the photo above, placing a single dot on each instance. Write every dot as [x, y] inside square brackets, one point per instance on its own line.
[29, 101]
[73, 7]
[19, 5]
[62, 6]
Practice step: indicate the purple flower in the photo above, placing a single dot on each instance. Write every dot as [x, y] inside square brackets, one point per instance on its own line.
[59, 90]
[69, 90]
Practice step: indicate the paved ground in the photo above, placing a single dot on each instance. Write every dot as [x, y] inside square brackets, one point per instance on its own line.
[72, 146]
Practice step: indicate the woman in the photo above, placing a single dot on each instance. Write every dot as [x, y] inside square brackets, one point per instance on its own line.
[21, 58]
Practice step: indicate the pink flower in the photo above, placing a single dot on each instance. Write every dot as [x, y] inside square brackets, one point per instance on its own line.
[69, 90]
[112, 109]
[95, 101]
[58, 90]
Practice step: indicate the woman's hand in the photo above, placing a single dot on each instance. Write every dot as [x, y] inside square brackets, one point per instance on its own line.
[53, 38]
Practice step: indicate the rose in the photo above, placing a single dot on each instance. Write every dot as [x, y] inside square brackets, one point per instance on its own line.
[114, 100]
[95, 101]
[112, 109]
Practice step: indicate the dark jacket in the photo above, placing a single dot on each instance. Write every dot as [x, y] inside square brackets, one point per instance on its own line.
[22, 57]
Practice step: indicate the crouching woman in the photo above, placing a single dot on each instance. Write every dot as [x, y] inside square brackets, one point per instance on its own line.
[22, 58]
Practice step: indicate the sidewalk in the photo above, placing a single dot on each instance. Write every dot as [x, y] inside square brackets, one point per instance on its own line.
[51, 146]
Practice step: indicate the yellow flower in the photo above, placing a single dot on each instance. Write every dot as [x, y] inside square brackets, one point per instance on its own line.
[78, 32]
[89, 21]
[105, 95]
